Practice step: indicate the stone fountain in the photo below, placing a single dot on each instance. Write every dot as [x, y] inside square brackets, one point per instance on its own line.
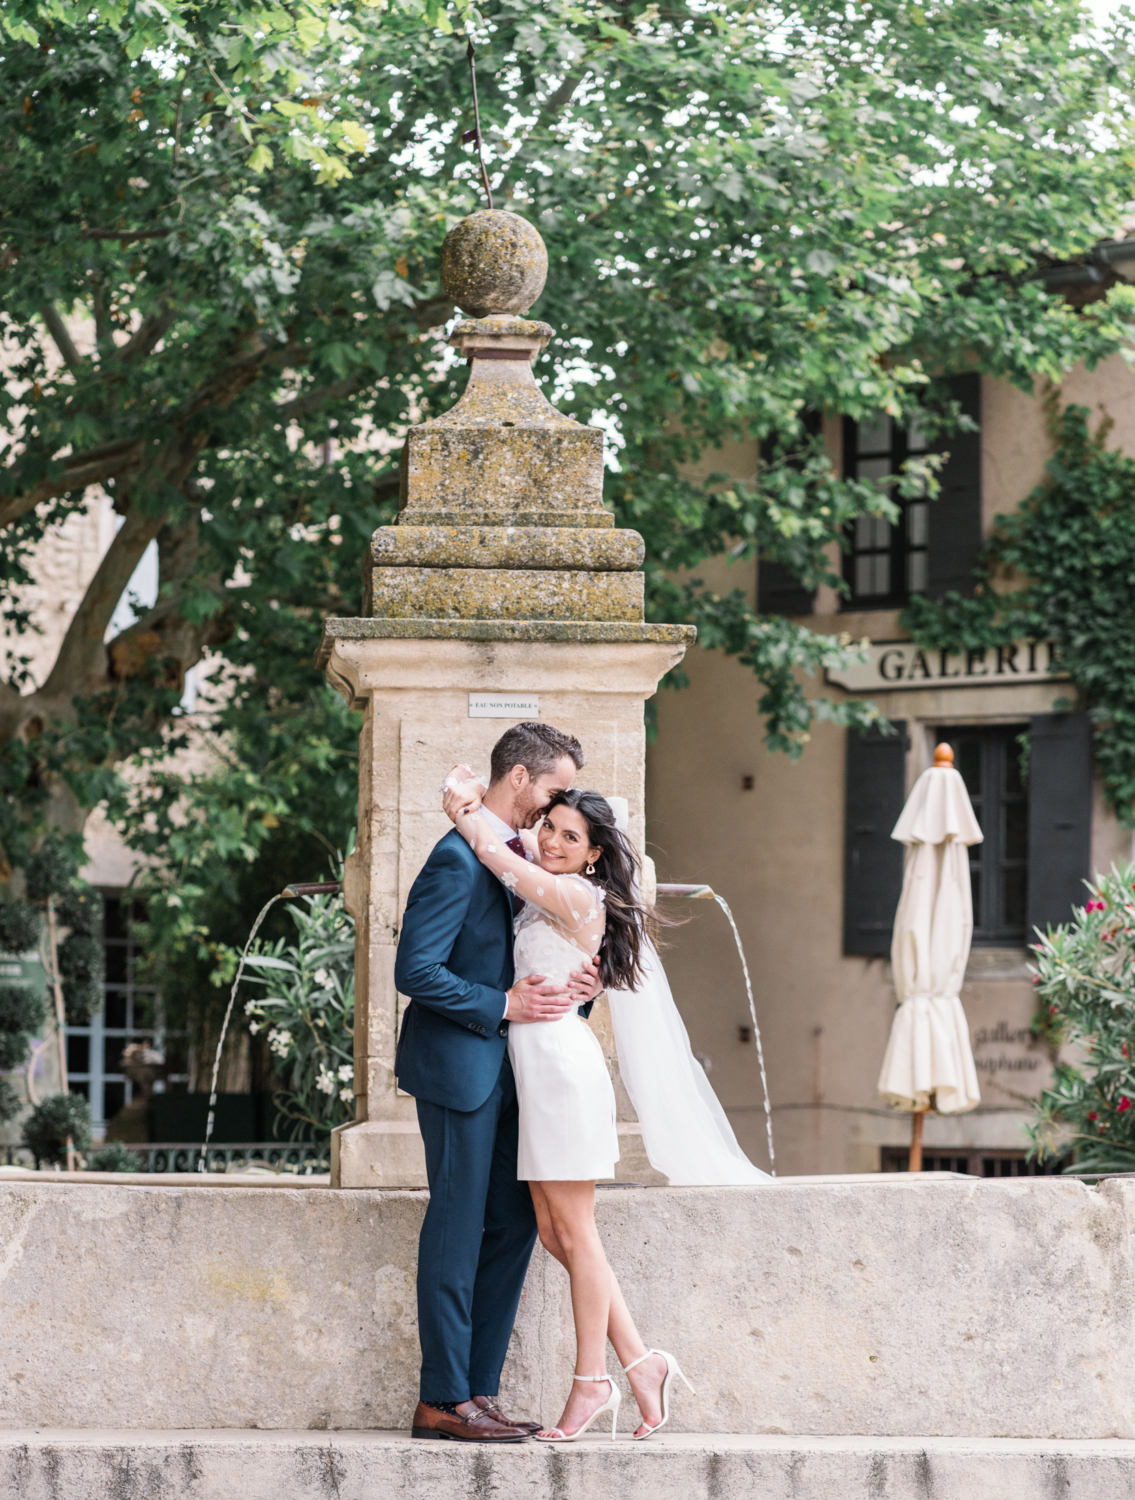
[503, 592]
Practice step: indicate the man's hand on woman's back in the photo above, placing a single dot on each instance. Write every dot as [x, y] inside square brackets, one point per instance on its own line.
[535, 998]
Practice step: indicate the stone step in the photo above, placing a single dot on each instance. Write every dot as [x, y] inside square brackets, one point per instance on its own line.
[73, 1464]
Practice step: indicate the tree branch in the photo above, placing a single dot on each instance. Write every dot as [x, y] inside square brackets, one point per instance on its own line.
[82, 656]
[78, 476]
[104, 329]
[127, 236]
[58, 331]
[148, 334]
[311, 401]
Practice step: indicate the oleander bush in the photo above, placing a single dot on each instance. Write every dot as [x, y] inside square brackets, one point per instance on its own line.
[1085, 981]
[308, 1013]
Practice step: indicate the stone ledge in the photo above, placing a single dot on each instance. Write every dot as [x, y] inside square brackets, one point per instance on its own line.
[572, 631]
[528, 594]
[64, 1464]
[505, 515]
[896, 1307]
[590, 548]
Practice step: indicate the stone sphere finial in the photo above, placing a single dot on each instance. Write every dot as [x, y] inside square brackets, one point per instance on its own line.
[493, 262]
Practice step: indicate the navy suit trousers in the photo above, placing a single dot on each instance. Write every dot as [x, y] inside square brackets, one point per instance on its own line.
[475, 1245]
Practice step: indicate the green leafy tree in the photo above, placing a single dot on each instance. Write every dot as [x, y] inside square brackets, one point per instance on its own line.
[1085, 978]
[219, 236]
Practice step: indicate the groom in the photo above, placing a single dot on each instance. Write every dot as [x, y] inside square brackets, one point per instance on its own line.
[455, 963]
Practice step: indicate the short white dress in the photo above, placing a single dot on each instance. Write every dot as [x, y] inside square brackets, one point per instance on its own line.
[567, 1101]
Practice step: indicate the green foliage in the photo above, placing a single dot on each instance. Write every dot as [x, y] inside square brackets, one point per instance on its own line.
[20, 927]
[49, 1124]
[1062, 569]
[113, 1157]
[277, 804]
[81, 910]
[1086, 989]
[50, 870]
[308, 1015]
[10, 1102]
[21, 1008]
[83, 998]
[262, 59]
[13, 1049]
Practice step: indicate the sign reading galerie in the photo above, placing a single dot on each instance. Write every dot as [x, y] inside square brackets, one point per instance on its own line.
[504, 706]
[902, 664]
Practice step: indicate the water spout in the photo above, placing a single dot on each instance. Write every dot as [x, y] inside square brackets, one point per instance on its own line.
[264, 910]
[706, 893]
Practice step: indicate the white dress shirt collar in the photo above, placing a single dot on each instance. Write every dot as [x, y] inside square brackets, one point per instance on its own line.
[498, 825]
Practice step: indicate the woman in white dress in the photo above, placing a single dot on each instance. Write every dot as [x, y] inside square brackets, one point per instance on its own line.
[580, 897]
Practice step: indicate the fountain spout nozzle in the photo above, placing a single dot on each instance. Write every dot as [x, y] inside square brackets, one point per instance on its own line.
[694, 892]
[312, 888]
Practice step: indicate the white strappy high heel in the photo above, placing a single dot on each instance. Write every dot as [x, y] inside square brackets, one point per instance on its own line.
[672, 1369]
[611, 1404]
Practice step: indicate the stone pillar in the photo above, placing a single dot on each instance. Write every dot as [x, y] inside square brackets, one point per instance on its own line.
[503, 579]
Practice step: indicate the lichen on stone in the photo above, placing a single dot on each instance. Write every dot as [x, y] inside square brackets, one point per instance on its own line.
[493, 262]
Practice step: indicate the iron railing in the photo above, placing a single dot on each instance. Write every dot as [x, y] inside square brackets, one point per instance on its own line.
[302, 1158]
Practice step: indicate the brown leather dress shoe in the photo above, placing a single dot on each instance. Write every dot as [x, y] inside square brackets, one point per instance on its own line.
[478, 1427]
[487, 1403]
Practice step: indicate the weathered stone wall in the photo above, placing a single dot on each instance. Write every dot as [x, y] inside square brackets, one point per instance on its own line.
[877, 1306]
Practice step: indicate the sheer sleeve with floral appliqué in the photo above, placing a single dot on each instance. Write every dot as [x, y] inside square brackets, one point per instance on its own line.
[574, 903]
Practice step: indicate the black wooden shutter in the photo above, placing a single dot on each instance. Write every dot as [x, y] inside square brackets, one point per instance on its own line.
[780, 592]
[872, 877]
[955, 517]
[1060, 817]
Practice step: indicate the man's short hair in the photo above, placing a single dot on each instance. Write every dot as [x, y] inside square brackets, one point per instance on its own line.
[536, 747]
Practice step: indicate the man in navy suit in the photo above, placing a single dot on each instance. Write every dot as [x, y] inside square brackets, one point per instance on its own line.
[455, 964]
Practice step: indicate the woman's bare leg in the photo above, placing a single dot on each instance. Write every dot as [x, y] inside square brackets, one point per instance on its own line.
[570, 1210]
[645, 1379]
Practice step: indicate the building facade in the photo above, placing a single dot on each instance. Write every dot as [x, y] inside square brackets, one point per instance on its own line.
[802, 851]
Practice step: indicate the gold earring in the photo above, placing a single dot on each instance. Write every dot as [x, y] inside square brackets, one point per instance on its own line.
[590, 870]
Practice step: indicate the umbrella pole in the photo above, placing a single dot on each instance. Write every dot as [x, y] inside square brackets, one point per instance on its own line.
[916, 1123]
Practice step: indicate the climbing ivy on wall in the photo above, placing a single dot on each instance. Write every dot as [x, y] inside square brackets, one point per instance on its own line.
[1062, 569]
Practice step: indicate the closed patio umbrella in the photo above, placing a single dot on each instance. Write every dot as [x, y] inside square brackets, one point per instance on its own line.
[929, 1063]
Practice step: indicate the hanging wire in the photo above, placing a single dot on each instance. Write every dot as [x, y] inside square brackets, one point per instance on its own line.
[475, 133]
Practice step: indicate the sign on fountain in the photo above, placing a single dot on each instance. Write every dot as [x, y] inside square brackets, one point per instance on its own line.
[503, 592]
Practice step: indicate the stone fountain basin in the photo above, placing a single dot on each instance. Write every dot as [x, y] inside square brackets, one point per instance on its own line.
[934, 1305]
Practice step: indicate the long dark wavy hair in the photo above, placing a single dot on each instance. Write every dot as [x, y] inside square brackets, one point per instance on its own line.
[620, 955]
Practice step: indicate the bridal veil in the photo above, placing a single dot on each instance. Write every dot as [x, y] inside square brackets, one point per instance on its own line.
[684, 1128]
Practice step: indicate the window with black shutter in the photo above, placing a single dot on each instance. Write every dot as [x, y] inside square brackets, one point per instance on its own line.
[779, 591]
[991, 761]
[1060, 817]
[934, 545]
[872, 880]
[954, 518]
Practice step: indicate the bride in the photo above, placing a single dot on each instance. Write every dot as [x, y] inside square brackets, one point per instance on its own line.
[580, 895]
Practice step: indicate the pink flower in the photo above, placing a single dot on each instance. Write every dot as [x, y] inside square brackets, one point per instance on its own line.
[1096, 906]
[1124, 1103]
[1092, 1115]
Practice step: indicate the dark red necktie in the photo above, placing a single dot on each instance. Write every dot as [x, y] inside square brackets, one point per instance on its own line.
[516, 844]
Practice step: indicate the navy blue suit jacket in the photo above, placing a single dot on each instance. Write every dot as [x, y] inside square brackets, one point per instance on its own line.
[454, 961]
